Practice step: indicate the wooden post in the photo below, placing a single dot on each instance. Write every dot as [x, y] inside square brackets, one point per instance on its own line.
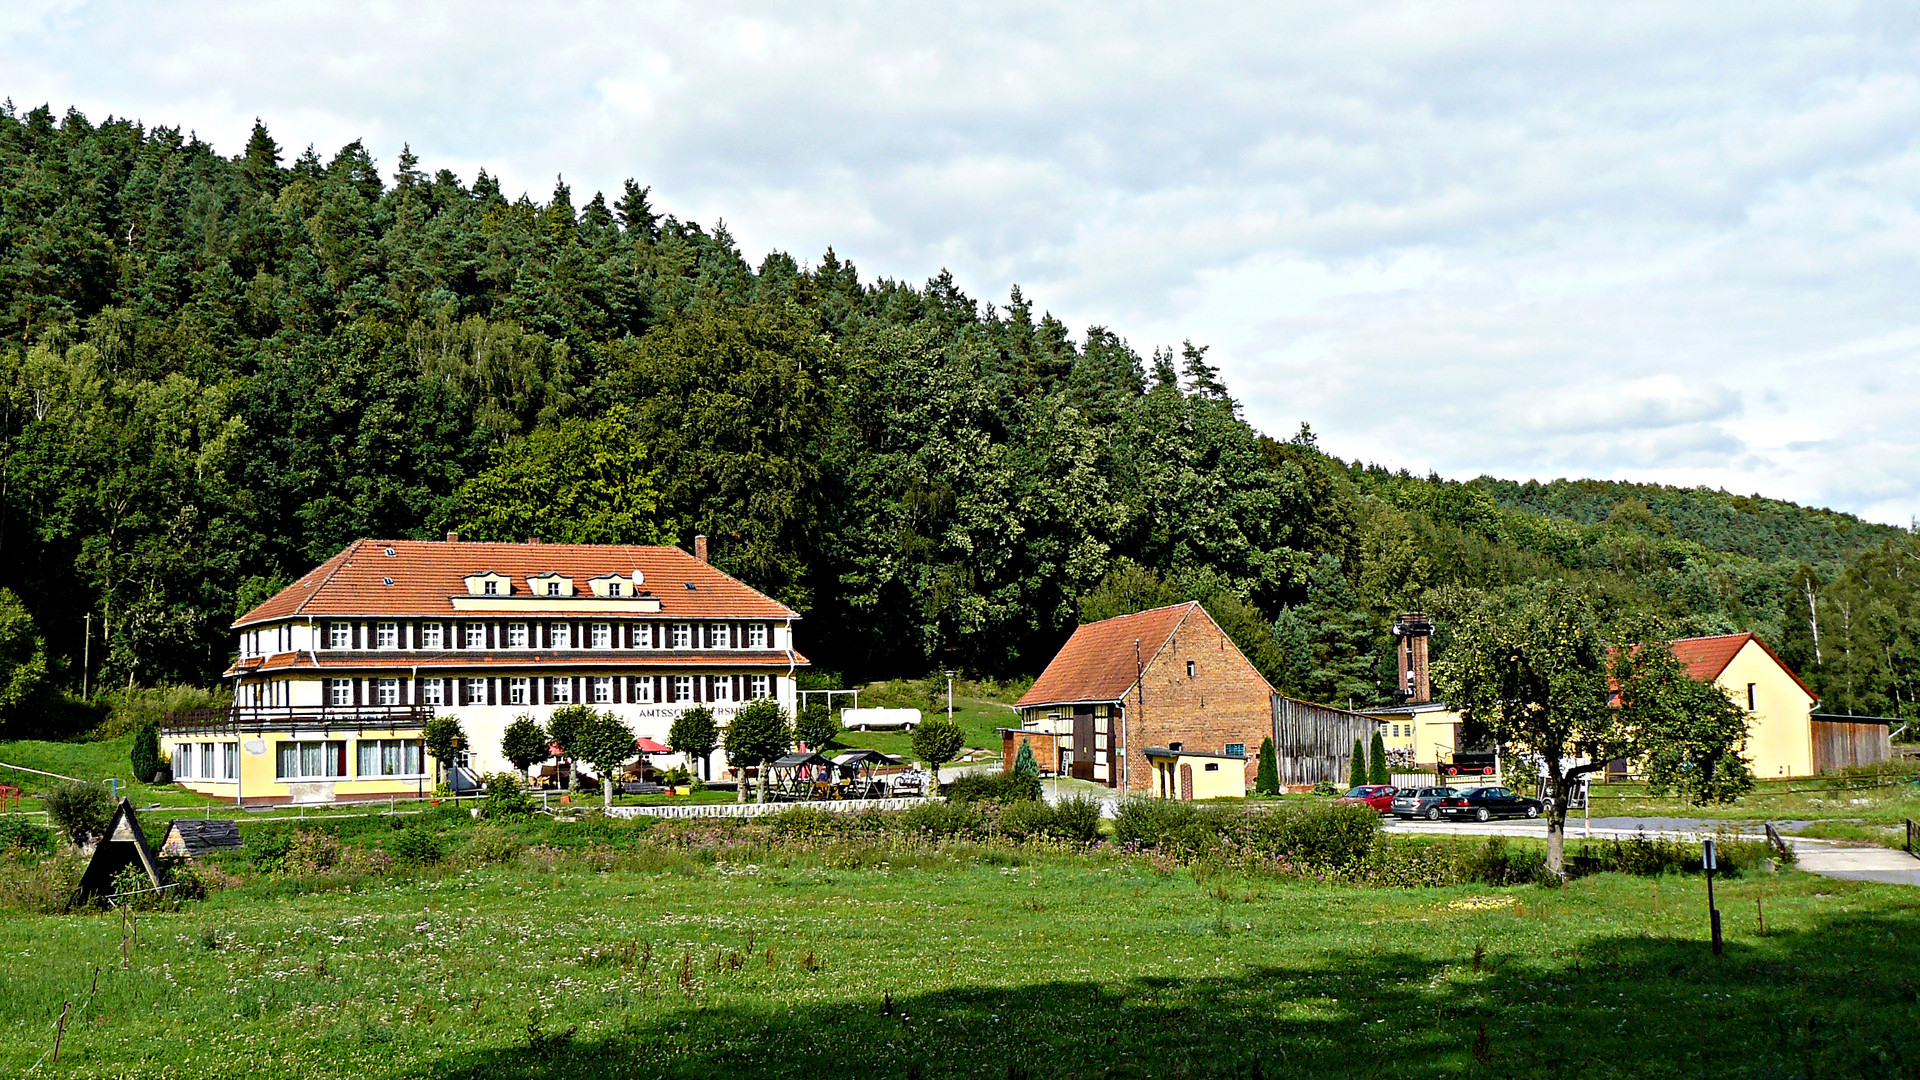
[1709, 863]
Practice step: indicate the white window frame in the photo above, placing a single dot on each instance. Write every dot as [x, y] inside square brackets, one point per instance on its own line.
[683, 688]
[602, 690]
[386, 691]
[432, 635]
[386, 635]
[517, 635]
[643, 635]
[329, 759]
[560, 636]
[433, 692]
[722, 688]
[613, 588]
[476, 635]
[600, 636]
[490, 587]
[643, 690]
[760, 686]
[553, 588]
[340, 635]
[409, 751]
[561, 689]
[339, 692]
[518, 691]
[757, 635]
[682, 635]
[476, 691]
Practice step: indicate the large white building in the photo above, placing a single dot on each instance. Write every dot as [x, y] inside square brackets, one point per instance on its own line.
[363, 648]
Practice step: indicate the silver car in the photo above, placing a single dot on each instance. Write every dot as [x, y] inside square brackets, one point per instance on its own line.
[1420, 802]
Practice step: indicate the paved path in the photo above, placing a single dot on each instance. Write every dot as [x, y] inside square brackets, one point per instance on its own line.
[1857, 863]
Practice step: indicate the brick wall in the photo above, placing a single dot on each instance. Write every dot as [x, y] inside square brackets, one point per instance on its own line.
[1225, 700]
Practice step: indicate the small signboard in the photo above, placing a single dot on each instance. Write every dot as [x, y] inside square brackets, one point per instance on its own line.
[1707, 860]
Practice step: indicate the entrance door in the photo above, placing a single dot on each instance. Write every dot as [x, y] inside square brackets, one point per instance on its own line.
[1083, 745]
[1186, 782]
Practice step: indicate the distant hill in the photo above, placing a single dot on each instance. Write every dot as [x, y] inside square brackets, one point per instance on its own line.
[1770, 530]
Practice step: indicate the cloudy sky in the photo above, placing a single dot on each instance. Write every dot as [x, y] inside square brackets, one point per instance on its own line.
[1661, 241]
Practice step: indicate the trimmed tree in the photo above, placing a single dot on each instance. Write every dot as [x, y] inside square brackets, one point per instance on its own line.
[603, 742]
[145, 756]
[937, 741]
[1691, 730]
[564, 725]
[1538, 681]
[758, 734]
[816, 726]
[444, 739]
[695, 735]
[1267, 780]
[1357, 768]
[525, 743]
[1377, 761]
[1023, 761]
[79, 809]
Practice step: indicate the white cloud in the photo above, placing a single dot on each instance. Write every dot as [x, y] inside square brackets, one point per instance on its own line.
[1632, 239]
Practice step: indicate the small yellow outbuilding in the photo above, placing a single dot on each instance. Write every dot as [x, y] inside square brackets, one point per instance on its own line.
[1189, 774]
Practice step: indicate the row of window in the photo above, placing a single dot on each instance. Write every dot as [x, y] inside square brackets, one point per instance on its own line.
[558, 690]
[326, 759]
[560, 635]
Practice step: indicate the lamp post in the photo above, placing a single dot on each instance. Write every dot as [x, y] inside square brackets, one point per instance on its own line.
[949, 676]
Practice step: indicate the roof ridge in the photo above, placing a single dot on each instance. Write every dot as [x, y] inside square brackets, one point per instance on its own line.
[340, 559]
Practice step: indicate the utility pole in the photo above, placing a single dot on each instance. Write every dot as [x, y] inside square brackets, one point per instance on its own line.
[86, 656]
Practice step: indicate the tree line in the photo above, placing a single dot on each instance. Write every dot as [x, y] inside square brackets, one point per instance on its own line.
[216, 371]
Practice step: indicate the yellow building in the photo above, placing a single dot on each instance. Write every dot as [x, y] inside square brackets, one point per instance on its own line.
[1190, 774]
[260, 756]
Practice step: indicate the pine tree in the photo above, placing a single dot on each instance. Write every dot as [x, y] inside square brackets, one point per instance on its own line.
[1023, 761]
[1377, 765]
[1357, 769]
[1267, 780]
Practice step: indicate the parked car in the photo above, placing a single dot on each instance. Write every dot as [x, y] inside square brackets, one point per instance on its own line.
[1420, 802]
[1377, 796]
[1480, 804]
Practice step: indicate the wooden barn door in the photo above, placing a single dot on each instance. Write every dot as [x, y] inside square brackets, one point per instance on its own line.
[1083, 745]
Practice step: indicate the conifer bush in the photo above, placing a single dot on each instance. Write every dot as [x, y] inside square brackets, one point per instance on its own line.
[1377, 765]
[1357, 768]
[1267, 780]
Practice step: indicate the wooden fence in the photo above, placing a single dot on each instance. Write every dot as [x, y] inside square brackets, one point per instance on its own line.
[1312, 742]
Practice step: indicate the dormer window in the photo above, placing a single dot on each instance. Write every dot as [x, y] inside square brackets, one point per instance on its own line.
[550, 584]
[613, 588]
[490, 587]
[489, 583]
[553, 588]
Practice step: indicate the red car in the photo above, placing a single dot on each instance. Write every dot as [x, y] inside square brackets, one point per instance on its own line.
[1378, 796]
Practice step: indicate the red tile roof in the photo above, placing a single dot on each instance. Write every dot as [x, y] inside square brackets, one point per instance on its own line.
[1706, 657]
[426, 573]
[1099, 663]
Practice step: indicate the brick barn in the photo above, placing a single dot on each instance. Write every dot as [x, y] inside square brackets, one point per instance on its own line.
[1126, 692]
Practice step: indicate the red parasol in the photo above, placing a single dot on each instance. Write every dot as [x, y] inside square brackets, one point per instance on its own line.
[648, 746]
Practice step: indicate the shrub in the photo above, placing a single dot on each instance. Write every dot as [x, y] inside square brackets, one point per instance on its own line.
[816, 725]
[416, 847]
[1324, 835]
[1026, 820]
[145, 755]
[940, 819]
[1497, 862]
[1648, 857]
[802, 823]
[938, 740]
[1077, 818]
[1267, 780]
[79, 809]
[998, 787]
[19, 834]
[505, 801]
[1182, 829]
[1023, 760]
[1325, 787]
[135, 707]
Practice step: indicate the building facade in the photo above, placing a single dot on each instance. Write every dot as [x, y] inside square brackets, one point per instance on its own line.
[337, 674]
[1127, 698]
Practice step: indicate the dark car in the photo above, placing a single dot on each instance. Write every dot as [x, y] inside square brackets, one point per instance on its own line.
[1480, 804]
[1420, 802]
[1377, 796]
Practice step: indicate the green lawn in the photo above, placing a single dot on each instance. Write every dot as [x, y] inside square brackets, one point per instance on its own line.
[962, 961]
[980, 718]
[86, 761]
[1832, 798]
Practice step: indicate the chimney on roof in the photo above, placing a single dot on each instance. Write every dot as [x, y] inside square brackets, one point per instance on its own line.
[533, 539]
[1413, 628]
[453, 538]
[700, 547]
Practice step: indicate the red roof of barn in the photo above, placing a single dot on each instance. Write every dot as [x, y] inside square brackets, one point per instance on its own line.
[421, 576]
[1099, 662]
[1706, 657]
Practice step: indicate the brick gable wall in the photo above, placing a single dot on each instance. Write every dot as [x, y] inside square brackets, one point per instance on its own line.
[1225, 700]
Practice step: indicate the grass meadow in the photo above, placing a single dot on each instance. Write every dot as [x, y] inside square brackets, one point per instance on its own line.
[603, 949]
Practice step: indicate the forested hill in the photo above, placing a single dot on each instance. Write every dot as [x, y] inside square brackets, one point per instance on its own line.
[219, 369]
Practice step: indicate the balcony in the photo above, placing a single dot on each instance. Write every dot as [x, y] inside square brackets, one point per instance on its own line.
[238, 718]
